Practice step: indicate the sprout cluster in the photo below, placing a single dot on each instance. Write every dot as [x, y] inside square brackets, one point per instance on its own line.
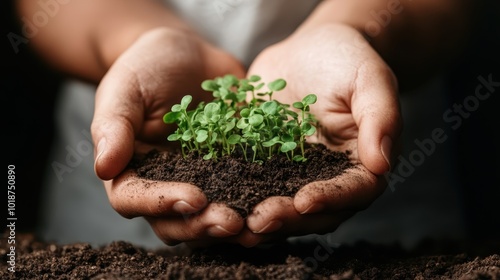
[259, 128]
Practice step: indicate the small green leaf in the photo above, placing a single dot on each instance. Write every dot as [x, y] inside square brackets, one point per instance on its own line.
[171, 117]
[271, 142]
[277, 85]
[176, 108]
[309, 99]
[245, 113]
[229, 114]
[240, 97]
[229, 126]
[254, 78]
[269, 107]
[209, 85]
[308, 129]
[299, 158]
[213, 137]
[234, 139]
[201, 136]
[208, 156]
[305, 126]
[292, 114]
[287, 138]
[174, 137]
[223, 93]
[215, 118]
[230, 96]
[185, 101]
[298, 105]
[230, 80]
[259, 86]
[187, 135]
[211, 109]
[291, 124]
[255, 120]
[242, 123]
[245, 86]
[288, 146]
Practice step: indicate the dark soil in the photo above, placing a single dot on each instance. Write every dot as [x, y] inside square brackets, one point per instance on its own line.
[241, 184]
[313, 260]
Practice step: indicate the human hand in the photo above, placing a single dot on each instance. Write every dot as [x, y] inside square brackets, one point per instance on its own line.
[358, 110]
[143, 83]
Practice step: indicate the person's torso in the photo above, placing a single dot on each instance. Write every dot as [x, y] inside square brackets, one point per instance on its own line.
[243, 27]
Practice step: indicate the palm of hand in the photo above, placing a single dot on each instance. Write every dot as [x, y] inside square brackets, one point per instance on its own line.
[354, 86]
[141, 86]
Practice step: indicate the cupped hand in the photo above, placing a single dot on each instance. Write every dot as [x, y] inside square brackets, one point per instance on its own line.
[153, 74]
[358, 110]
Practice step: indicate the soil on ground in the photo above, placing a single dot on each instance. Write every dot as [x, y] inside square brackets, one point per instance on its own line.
[316, 259]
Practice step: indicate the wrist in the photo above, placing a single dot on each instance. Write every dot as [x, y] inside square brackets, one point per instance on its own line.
[117, 25]
[111, 46]
[337, 12]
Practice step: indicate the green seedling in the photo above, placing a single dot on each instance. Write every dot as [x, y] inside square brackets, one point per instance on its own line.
[243, 118]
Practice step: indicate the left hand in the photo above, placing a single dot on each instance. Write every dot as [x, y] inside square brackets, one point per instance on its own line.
[358, 110]
[153, 74]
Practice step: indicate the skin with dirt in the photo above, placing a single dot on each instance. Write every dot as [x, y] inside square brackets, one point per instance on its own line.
[241, 184]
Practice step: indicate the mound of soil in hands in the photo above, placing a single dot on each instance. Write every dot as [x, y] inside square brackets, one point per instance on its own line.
[241, 184]
[311, 260]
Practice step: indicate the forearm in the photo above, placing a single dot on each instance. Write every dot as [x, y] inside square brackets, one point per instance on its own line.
[415, 37]
[84, 37]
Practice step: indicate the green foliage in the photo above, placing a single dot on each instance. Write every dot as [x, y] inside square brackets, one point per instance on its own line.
[259, 128]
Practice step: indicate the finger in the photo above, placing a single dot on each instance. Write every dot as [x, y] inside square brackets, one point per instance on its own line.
[271, 214]
[117, 117]
[131, 196]
[245, 238]
[277, 216]
[376, 110]
[355, 189]
[213, 222]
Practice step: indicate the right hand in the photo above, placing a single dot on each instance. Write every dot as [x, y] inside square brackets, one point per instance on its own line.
[358, 110]
[154, 73]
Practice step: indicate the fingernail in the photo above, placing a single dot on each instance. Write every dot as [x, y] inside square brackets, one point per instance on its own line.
[315, 207]
[386, 147]
[98, 152]
[100, 148]
[219, 231]
[270, 227]
[183, 207]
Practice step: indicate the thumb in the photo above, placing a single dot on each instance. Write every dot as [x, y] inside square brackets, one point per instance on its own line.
[376, 110]
[117, 116]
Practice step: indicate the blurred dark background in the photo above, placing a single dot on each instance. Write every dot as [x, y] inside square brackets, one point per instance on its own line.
[29, 87]
[478, 138]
